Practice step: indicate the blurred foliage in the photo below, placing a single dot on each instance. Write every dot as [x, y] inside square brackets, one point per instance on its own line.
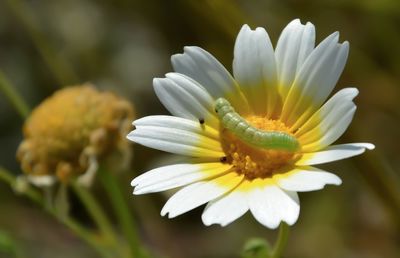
[121, 45]
[7, 246]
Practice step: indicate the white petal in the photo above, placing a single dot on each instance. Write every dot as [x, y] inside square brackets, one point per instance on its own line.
[185, 98]
[201, 66]
[40, 180]
[199, 193]
[168, 177]
[225, 209]
[177, 135]
[177, 123]
[333, 153]
[254, 68]
[304, 179]
[294, 45]
[329, 122]
[315, 80]
[343, 98]
[271, 205]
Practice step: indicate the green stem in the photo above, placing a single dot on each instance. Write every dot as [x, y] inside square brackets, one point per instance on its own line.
[48, 197]
[95, 211]
[120, 206]
[60, 68]
[30, 192]
[74, 226]
[281, 242]
[13, 96]
[83, 233]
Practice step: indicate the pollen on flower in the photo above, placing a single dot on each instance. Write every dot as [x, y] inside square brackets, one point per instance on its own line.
[255, 162]
[73, 128]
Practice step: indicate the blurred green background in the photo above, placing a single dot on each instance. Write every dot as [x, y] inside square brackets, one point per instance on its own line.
[121, 45]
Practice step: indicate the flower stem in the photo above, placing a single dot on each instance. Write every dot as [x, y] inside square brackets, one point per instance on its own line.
[120, 206]
[31, 193]
[13, 96]
[281, 241]
[71, 224]
[60, 68]
[85, 235]
[95, 211]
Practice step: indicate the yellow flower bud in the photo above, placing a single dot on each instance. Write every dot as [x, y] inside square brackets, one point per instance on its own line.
[73, 129]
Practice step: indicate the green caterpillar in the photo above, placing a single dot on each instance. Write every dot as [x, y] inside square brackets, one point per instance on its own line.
[251, 135]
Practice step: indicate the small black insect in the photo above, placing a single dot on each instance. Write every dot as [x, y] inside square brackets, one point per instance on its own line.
[201, 121]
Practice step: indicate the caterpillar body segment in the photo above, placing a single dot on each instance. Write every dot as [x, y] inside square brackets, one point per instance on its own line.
[251, 135]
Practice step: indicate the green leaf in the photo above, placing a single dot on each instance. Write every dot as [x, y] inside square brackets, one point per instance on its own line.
[256, 248]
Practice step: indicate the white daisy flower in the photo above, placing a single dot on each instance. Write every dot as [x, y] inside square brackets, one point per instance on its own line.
[274, 90]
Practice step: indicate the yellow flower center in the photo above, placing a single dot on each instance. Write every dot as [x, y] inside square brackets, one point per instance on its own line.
[255, 162]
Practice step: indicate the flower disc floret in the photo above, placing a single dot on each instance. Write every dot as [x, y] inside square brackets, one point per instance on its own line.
[254, 162]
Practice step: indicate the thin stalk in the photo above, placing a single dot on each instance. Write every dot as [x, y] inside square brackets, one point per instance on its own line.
[30, 192]
[60, 68]
[96, 212]
[12, 95]
[281, 242]
[121, 209]
[48, 197]
[71, 224]
[84, 234]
